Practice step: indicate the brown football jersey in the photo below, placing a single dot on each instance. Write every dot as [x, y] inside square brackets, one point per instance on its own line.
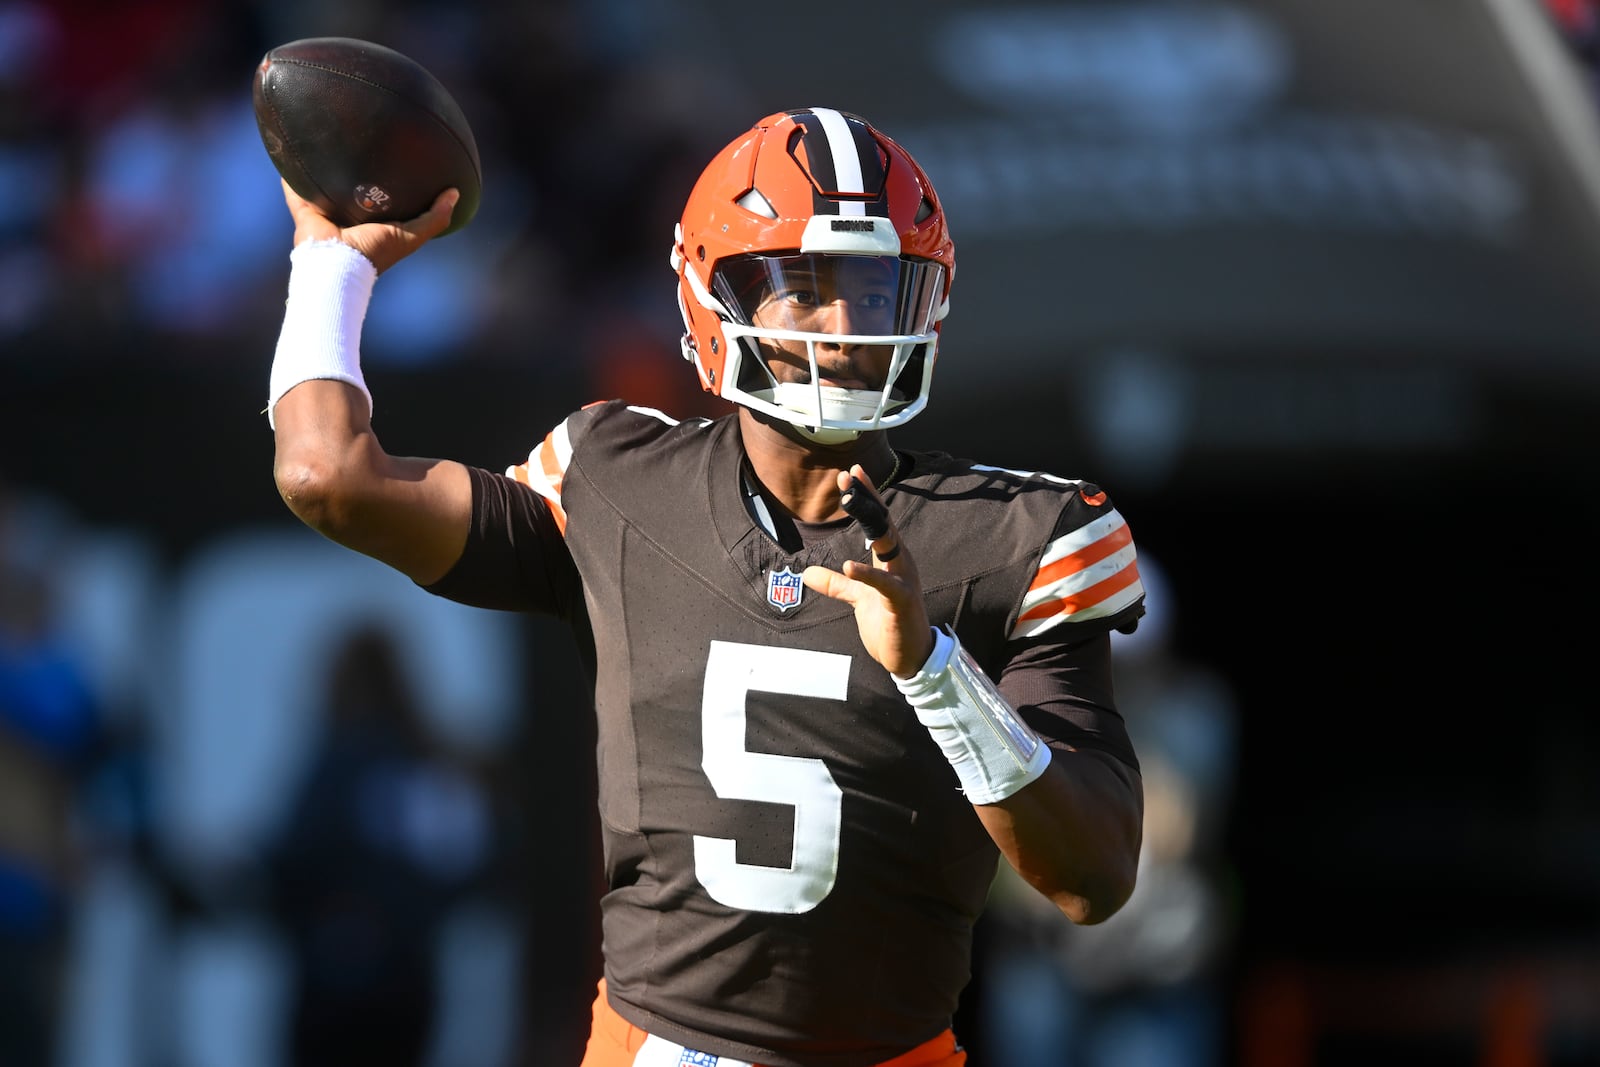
[793, 871]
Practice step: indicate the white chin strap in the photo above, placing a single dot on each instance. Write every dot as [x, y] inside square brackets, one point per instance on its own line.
[838, 406]
[826, 437]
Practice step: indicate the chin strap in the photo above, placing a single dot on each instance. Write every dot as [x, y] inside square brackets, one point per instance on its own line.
[994, 752]
[826, 436]
[826, 403]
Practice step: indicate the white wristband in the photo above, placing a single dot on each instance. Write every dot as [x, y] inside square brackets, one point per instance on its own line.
[330, 284]
[994, 753]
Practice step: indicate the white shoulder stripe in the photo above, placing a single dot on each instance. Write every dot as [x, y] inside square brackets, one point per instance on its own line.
[1070, 585]
[1105, 608]
[1089, 573]
[1026, 474]
[546, 465]
[653, 413]
[561, 443]
[1082, 537]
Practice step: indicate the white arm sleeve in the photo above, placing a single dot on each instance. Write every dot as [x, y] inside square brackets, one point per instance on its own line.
[994, 753]
[330, 284]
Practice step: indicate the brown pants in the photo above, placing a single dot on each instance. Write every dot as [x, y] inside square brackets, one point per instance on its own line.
[615, 1042]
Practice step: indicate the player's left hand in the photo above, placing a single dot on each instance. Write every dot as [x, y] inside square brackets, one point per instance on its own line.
[886, 595]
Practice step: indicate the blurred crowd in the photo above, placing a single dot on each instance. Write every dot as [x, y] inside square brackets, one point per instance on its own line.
[134, 189]
[138, 207]
[50, 718]
[200, 867]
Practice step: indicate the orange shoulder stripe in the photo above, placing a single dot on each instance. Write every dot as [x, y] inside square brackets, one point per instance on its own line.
[1111, 543]
[1084, 598]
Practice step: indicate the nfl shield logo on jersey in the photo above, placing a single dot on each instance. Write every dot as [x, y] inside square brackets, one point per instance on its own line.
[784, 588]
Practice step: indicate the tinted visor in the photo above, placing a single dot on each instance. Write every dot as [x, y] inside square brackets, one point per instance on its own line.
[830, 293]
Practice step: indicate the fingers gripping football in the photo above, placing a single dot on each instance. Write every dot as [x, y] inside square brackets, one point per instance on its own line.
[886, 595]
[384, 243]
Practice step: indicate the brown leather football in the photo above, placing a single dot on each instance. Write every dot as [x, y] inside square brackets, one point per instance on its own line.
[363, 132]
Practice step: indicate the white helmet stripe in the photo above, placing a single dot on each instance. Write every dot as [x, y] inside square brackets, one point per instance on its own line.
[846, 160]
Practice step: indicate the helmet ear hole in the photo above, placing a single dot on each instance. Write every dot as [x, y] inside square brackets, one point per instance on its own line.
[924, 211]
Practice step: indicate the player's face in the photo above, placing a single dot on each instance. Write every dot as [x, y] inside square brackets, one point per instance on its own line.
[845, 299]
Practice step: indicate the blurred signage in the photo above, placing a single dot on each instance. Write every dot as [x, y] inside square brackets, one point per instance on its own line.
[1239, 176]
[1174, 116]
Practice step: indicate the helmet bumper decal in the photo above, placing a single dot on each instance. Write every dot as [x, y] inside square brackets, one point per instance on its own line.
[862, 235]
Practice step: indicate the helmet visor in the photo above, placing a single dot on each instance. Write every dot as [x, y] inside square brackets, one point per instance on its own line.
[863, 299]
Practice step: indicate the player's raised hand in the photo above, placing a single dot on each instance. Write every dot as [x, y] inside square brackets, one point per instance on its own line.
[384, 243]
[886, 595]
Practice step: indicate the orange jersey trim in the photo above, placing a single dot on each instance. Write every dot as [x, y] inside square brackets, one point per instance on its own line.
[615, 1042]
[545, 469]
[1089, 573]
[1094, 594]
[1109, 544]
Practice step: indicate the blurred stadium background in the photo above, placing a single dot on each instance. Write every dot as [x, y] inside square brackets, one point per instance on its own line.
[1312, 287]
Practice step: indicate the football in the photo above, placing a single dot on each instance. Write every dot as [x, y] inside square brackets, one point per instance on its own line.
[363, 132]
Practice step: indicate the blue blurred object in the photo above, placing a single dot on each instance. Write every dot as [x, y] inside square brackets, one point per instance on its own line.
[44, 699]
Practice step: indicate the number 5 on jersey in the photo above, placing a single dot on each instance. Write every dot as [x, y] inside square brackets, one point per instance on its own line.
[733, 670]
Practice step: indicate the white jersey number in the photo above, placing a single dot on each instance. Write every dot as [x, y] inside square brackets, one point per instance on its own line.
[733, 671]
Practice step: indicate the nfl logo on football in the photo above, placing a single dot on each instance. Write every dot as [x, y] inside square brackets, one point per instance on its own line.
[783, 589]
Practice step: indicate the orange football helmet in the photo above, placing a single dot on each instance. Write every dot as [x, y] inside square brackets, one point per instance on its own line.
[809, 200]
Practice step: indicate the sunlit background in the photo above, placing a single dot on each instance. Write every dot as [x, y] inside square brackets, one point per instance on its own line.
[1312, 287]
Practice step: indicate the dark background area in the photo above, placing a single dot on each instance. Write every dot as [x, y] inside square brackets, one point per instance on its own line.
[1361, 440]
